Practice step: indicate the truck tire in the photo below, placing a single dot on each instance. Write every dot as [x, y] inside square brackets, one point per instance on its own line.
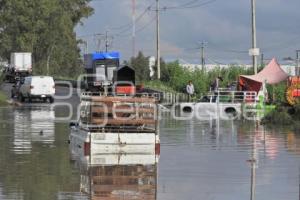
[51, 99]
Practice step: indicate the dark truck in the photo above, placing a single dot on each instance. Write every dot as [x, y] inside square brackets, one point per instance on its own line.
[104, 74]
[100, 69]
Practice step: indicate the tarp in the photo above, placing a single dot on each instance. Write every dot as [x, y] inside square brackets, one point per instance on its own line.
[89, 59]
[106, 55]
[271, 74]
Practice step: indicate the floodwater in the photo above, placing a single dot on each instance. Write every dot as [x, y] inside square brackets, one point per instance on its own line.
[210, 160]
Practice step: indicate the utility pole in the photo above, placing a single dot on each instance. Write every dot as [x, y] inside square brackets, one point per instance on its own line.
[297, 70]
[202, 56]
[157, 41]
[106, 41]
[133, 26]
[255, 51]
[98, 41]
[103, 39]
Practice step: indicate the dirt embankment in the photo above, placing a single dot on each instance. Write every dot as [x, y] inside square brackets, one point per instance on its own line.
[4, 93]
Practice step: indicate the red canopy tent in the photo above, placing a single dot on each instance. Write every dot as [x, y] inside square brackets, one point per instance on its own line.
[271, 74]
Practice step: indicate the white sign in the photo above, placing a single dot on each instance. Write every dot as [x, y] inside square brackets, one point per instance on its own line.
[254, 52]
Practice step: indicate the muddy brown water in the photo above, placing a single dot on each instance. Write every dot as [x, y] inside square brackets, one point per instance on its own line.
[211, 160]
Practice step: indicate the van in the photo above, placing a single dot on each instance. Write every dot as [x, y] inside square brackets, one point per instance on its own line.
[37, 87]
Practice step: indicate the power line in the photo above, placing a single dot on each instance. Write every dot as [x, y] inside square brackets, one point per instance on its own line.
[140, 29]
[123, 28]
[127, 27]
[230, 51]
[183, 5]
[214, 61]
[220, 50]
[188, 5]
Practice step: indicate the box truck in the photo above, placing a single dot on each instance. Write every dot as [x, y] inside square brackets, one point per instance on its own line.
[20, 66]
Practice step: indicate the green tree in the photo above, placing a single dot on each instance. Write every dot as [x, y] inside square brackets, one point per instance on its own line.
[45, 28]
[141, 67]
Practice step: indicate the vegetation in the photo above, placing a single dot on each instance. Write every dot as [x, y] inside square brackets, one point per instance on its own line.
[3, 99]
[158, 85]
[174, 77]
[277, 93]
[283, 115]
[45, 28]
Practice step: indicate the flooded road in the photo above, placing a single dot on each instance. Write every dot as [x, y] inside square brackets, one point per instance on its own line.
[211, 160]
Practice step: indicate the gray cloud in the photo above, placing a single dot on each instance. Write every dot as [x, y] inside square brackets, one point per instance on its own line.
[223, 25]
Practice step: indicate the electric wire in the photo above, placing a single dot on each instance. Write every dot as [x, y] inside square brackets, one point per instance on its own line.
[189, 5]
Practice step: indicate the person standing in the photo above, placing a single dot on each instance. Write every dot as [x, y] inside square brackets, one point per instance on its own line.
[190, 90]
[216, 84]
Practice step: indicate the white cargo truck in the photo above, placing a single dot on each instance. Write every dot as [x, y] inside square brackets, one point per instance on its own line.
[20, 66]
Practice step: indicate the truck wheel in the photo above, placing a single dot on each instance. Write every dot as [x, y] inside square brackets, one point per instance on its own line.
[51, 99]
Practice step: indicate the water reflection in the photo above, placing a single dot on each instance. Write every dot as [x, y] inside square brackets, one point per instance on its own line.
[30, 167]
[32, 125]
[228, 160]
[208, 160]
[118, 176]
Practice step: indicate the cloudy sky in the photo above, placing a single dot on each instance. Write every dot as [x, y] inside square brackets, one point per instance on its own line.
[224, 26]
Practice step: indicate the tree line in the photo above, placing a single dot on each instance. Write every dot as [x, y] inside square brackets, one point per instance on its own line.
[176, 77]
[45, 28]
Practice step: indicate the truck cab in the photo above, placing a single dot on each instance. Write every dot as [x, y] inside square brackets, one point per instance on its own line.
[100, 68]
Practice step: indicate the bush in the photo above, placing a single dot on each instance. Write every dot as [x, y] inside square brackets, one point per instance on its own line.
[296, 114]
[277, 93]
[177, 77]
[283, 115]
[278, 116]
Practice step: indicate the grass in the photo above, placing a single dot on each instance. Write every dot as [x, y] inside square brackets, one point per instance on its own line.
[3, 99]
[158, 85]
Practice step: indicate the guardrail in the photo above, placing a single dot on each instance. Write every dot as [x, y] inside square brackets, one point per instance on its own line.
[228, 96]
